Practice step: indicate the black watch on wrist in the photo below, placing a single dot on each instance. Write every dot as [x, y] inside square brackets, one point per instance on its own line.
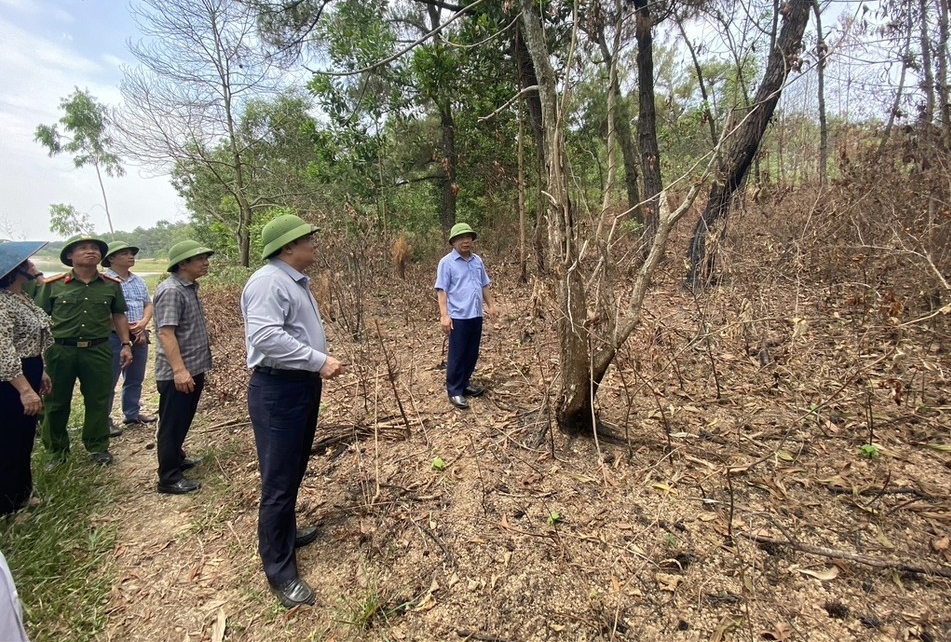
[127, 343]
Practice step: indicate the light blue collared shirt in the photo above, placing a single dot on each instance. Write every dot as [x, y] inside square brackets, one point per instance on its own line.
[282, 324]
[462, 281]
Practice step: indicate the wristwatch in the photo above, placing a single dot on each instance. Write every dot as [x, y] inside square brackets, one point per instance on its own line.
[127, 343]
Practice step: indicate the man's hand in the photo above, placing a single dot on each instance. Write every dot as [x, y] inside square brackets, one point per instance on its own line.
[446, 323]
[46, 384]
[184, 382]
[125, 356]
[332, 368]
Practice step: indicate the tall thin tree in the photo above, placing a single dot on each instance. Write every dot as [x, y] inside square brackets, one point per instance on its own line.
[86, 135]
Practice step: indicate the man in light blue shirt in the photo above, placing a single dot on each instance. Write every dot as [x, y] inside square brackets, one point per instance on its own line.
[287, 352]
[462, 288]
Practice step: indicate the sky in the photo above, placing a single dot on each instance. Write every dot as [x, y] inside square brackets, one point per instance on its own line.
[50, 47]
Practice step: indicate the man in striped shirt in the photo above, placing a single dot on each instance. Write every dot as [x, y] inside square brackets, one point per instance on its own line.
[119, 262]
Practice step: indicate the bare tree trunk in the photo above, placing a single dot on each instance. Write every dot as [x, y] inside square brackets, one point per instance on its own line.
[621, 122]
[447, 212]
[527, 78]
[821, 53]
[574, 411]
[927, 68]
[735, 164]
[647, 120]
[522, 248]
[941, 68]
[450, 158]
[105, 201]
[893, 112]
[700, 80]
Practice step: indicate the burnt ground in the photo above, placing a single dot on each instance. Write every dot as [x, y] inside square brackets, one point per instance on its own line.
[727, 499]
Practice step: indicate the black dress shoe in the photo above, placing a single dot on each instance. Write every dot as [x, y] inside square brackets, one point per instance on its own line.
[102, 459]
[294, 593]
[473, 391]
[305, 536]
[459, 402]
[114, 431]
[141, 420]
[188, 464]
[181, 487]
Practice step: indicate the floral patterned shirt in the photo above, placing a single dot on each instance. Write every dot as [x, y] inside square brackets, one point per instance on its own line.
[24, 332]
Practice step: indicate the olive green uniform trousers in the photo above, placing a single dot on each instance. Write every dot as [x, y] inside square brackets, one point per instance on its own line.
[93, 367]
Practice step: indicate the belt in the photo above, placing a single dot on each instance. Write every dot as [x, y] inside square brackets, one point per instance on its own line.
[292, 375]
[87, 343]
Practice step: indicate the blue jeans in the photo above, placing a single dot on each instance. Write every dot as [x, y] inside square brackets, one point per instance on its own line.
[464, 343]
[133, 376]
[283, 413]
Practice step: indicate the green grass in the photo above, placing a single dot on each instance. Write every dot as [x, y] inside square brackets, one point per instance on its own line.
[59, 555]
[60, 558]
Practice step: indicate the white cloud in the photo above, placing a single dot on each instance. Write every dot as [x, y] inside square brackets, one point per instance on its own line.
[40, 69]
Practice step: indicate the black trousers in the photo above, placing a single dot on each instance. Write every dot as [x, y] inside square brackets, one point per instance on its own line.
[16, 477]
[283, 413]
[176, 412]
[464, 343]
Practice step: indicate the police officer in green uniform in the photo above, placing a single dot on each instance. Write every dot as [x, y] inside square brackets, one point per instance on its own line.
[85, 305]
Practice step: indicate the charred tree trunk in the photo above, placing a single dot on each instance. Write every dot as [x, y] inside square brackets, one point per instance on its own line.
[647, 120]
[735, 163]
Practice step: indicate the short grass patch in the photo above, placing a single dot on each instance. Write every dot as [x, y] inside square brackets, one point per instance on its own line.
[60, 558]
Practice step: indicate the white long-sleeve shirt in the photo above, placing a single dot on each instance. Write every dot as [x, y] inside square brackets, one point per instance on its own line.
[282, 323]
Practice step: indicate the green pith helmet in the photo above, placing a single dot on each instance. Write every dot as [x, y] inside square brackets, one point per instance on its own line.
[73, 241]
[461, 229]
[117, 246]
[184, 250]
[281, 231]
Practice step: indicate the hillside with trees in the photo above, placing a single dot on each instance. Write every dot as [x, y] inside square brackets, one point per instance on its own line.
[720, 238]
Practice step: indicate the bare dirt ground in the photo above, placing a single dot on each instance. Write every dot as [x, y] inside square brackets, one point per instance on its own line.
[732, 503]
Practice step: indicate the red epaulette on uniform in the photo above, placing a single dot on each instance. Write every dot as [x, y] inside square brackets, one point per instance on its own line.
[55, 277]
[111, 278]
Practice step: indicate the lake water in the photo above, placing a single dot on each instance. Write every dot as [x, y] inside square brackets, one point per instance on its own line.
[51, 268]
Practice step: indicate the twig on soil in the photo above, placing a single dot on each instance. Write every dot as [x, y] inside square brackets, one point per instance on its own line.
[231, 423]
[475, 454]
[472, 635]
[390, 371]
[833, 553]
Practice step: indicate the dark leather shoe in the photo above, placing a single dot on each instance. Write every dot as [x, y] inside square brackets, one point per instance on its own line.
[181, 487]
[141, 420]
[294, 593]
[473, 391]
[188, 464]
[114, 431]
[305, 536]
[459, 402]
[102, 459]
